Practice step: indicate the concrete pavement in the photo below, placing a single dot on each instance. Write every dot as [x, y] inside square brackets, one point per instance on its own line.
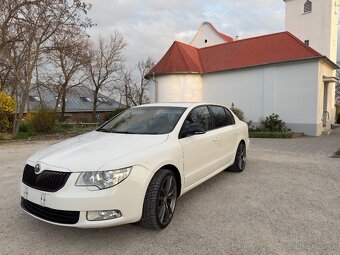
[287, 201]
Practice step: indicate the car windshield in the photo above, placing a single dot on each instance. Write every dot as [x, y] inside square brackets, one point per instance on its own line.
[144, 120]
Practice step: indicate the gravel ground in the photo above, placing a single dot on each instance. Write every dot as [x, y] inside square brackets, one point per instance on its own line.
[287, 201]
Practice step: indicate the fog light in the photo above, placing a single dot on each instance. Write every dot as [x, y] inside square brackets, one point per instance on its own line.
[103, 215]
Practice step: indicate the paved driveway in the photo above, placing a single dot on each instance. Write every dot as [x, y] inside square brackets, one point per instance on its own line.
[287, 201]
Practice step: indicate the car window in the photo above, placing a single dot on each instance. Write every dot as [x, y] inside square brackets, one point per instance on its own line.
[230, 117]
[199, 115]
[220, 116]
[144, 120]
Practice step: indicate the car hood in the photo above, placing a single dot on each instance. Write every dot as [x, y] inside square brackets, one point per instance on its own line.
[92, 151]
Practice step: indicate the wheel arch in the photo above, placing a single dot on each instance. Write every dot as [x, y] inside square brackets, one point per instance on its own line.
[177, 174]
[243, 141]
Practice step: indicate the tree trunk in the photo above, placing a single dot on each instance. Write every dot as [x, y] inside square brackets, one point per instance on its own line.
[20, 113]
[63, 104]
[95, 100]
[126, 96]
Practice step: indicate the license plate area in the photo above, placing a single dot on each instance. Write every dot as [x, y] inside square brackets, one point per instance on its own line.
[34, 196]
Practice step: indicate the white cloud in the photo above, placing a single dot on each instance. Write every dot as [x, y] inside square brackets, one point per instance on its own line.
[151, 26]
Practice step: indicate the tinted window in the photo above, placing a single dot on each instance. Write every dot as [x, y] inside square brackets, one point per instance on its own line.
[230, 117]
[220, 116]
[145, 120]
[199, 115]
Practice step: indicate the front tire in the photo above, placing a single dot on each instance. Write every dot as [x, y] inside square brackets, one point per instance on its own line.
[240, 159]
[160, 200]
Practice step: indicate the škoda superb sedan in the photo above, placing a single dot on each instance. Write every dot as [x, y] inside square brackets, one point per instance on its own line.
[134, 167]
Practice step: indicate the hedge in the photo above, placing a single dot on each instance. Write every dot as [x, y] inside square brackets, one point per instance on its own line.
[271, 134]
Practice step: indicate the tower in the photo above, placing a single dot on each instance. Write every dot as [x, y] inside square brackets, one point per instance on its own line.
[315, 22]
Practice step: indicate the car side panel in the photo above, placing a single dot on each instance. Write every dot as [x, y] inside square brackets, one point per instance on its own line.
[199, 156]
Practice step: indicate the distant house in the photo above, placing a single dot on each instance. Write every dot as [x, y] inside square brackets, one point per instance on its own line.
[79, 103]
[289, 73]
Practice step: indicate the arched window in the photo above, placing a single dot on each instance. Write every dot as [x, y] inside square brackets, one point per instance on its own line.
[308, 6]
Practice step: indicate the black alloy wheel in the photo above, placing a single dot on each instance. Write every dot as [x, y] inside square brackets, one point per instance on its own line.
[160, 200]
[167, 200]
[240, 159]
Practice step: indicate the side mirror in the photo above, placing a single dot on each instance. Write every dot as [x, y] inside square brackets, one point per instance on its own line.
[193, 129]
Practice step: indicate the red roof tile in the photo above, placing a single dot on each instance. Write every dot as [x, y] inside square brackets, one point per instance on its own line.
[181, 58]
[267, 49]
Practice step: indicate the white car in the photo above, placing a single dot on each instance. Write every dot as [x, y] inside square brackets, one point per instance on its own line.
[134, 167]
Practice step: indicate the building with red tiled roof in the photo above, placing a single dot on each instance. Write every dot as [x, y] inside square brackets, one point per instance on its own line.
[263, 50]
[290, 74]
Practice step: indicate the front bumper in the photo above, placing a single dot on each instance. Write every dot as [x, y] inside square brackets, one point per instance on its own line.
[127, 197]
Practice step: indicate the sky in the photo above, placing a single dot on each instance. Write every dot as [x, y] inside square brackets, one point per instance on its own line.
[151, 26]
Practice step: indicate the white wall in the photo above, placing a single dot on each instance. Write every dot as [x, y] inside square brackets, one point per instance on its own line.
[325, 70]
[206, 32]
[177, 88]
[289, 90]
[293, 90]
[320, 26]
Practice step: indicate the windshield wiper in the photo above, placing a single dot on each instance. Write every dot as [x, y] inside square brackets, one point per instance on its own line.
[103, 130]
[122, 132]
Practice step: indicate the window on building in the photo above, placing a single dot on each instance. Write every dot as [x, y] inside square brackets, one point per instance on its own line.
[34, 99]
[205, 41]
[56, 98]
[307, 42]
[102, 99]
[307, 7]
[85, 99]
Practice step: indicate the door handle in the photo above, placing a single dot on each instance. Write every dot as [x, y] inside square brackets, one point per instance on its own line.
[215, 139]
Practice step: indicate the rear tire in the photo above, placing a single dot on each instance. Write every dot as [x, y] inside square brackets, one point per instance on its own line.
[240, 159]
[160, 200]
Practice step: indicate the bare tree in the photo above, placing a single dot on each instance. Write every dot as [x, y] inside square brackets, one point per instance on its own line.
[106, 62]
[124, 86]
[69, 56]
[8, 11]
[6, 76]
[139, 93]
[32, 26]
[134, 85]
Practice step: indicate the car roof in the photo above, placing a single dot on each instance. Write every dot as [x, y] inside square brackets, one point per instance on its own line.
[180, 104]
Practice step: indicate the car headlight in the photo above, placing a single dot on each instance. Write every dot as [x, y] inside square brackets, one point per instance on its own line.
[103, 179]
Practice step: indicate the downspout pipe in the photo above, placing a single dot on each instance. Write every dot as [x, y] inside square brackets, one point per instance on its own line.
[156, 87]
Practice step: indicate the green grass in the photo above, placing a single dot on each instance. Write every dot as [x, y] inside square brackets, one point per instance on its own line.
[255, 134]
[26, 135]
[59, 129]
[337, 153]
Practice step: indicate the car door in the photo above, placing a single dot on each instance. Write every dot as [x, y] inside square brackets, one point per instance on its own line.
[224, 124]
[199, 151]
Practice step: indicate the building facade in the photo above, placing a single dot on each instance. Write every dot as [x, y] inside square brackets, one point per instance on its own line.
[79, 103]
[276, 73]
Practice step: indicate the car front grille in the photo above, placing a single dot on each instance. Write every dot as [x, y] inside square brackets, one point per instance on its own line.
[53, 215]
[50, 181]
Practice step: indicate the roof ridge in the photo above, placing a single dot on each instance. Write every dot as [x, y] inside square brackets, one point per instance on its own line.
[186, 44]
[219, 33]
[246, 39]
[180, 52]
[303, 44]
[166, 60]
[188, 55]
